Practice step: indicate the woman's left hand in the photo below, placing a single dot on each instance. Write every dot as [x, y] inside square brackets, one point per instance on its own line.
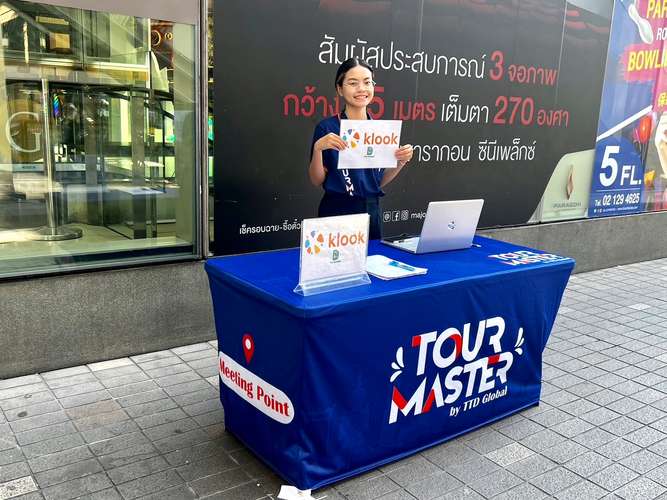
[404, 155]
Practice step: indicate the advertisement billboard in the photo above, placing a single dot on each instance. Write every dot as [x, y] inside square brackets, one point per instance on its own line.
[492, 95]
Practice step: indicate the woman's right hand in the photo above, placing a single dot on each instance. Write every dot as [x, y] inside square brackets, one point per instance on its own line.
[330, 141]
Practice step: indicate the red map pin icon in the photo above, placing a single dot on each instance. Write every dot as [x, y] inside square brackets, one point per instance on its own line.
[248, 347]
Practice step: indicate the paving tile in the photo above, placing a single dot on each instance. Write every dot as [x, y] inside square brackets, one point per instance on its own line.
[139, 469]
[119, 443]
[172, 428]
[563, 452]
[159, 363]
[188, 387]
[208, 466]
[542, 440]
[161, 418]
[588, 464]
[532, 466]
[179, 378]
[65, 372]
[659, 474]
[197, 452]
[618, 449]
[145, 409]
[77, 487]
[186, 439]
[27, 423]
[211, 418]
[128, 455]
[622, 426]
[141, 398]
[67, 472]
[32, 410]
[412, 470]
[74, 380]
[180, 492]
[645, 436]
[613, 477]
[495, 483]
[583, 490]
[113, 373]
[26, 400]
[59, 459]
[463, 493]
[643, 461]
[647, 415]
[110, 431]
[127, 390]
[111, 363]
[14, 471]
[51, 446]
[572, 427]
[151, 356]
[520, 430]
[22, 391]
[44, 433]
[524, 491]
[555, 480]
[594, 438]
[11, 456]
[508, 454]
[642, 488]
[100, 420]
[92, 409]
[16, 487]
[471, 470]
[236, 477]
[19, 381]
[168, 370]
[214, 404]
[124, 380]
[84, 399]
[192, 348]
[360, 488]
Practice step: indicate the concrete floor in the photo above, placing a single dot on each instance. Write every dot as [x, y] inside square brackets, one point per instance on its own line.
[151, 426]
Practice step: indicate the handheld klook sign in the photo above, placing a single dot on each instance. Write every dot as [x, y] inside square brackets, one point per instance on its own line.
[333, 253]
[370, 143]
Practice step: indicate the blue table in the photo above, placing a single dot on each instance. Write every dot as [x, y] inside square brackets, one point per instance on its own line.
[328, 386]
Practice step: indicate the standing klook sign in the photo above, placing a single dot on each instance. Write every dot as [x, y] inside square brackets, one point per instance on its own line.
[333, 253]
[370, 143]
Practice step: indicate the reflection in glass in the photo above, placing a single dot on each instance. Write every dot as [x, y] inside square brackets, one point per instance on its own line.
[97, 138]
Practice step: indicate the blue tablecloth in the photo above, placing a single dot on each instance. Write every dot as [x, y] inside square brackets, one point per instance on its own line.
[328, 386]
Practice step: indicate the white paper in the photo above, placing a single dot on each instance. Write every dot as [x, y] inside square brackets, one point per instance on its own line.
[292, 493]
[370, 143]
[333, 246]
[388, 269]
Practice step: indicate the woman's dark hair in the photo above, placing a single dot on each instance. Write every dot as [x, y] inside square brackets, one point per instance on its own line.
[347, 66]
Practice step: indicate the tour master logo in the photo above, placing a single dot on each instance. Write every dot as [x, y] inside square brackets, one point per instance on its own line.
[351, 138]
[445, 370]
[314, 242]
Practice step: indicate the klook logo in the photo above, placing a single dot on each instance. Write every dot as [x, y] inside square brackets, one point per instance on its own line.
[314, 242]
[351, 138]
[467, 374]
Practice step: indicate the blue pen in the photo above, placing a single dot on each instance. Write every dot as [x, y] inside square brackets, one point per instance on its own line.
[400, 265]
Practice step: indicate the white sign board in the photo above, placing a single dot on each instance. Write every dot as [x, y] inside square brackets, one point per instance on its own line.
[333, 253]
[370, 143]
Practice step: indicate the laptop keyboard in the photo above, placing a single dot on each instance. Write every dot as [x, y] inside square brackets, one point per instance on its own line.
[410, 243]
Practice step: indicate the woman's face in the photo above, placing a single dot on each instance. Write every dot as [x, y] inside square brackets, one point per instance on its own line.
[357, 87]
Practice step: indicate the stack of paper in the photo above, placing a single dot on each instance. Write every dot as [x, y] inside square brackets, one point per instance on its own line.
[388, 269]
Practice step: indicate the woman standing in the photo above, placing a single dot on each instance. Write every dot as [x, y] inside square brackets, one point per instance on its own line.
[355, 190]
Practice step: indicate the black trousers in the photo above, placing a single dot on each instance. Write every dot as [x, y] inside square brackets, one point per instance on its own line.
[344, 204]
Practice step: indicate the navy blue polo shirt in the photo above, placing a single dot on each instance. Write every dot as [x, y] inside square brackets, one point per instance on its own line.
[363, 182]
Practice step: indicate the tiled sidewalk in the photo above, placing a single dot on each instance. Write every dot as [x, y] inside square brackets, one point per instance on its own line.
[151, 426]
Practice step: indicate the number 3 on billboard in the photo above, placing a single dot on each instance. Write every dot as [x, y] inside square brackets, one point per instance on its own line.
[607, 179]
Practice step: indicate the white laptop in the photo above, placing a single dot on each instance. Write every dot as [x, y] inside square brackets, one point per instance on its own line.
[449, 225]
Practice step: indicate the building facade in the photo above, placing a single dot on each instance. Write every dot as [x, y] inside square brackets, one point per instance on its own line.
[110, 199]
